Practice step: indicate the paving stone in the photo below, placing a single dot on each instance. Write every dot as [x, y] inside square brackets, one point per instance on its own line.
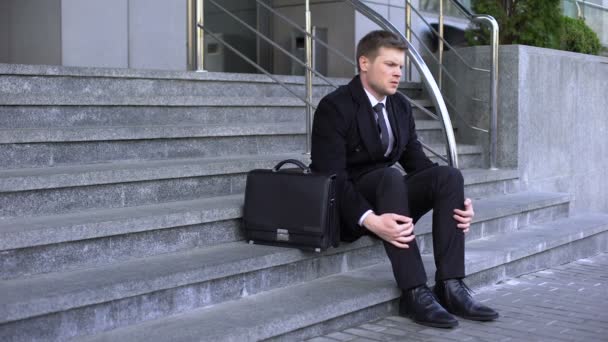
[340, 336]
[548, 307]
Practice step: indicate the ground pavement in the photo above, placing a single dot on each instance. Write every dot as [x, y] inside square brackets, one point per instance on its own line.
[564, 303]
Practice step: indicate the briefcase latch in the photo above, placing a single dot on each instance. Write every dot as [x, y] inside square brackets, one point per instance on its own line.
[282, 235]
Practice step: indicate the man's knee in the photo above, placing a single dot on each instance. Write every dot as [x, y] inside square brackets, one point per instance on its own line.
[450, 176]
[391, 177]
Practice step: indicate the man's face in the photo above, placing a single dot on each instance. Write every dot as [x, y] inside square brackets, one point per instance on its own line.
[381, 75]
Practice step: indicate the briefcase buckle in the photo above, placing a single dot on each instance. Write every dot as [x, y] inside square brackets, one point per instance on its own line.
[282, 235]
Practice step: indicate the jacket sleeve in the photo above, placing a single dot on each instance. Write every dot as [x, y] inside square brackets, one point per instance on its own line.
[328, 154]
[413, 159]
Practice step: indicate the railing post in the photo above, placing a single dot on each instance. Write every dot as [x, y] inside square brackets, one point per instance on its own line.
[308, 78]
[494, 37]
[200, 36]
[408, 35]
[440, 71]
[494, 96]
[195, 35]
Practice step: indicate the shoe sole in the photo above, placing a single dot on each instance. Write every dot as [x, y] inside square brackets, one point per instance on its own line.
[478, 318]
[435, 325]
[431, 324]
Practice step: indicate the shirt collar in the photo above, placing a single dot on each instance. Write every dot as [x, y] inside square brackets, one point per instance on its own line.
[373, 100]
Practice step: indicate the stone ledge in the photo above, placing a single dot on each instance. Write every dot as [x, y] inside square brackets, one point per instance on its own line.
[54, 292]
[107, 133]
[258, 317]
[52, 70]
[133, 171]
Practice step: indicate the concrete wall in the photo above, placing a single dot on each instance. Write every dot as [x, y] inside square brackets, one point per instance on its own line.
[553, 122]
[148, 34]
[157, 34]
[31, 31]
[95, 33]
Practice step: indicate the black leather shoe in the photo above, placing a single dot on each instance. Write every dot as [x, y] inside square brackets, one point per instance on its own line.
[455, 296]
[420, 305]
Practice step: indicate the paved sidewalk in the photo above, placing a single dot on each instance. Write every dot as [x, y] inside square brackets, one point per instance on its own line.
[564, 303]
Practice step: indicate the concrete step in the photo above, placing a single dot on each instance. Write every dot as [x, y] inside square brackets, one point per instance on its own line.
[126, 184]
[161, 100]
[469, 156]
[135, 171]
[485, 182]
[94, 81]
[503, 214]
[63, 189]
[175, 282]
[157, 100]
[47, 116]
[148, 143]
[51, 244]
[144, 132]
[146, 83]
[430, 131]
[418, 113]
[46, 243]
[137, 132]
[154, 287]
[339, 301]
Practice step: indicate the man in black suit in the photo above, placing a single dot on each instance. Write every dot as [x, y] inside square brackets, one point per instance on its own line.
[360, 130]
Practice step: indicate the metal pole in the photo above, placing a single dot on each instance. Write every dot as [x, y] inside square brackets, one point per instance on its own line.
[191, 29]
[408, 35]
[308, 78]
[494, 96]
[439, 74]
[200, 36]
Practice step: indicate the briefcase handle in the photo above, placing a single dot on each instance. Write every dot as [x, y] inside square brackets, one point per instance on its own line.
[305, 169]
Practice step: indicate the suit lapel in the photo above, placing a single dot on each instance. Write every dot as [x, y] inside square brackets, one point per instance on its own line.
[392, 110]
[365, 120]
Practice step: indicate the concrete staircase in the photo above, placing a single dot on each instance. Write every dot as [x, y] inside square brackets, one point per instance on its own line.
[120, 198]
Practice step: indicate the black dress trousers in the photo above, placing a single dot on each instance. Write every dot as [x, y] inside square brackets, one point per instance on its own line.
[440, 188]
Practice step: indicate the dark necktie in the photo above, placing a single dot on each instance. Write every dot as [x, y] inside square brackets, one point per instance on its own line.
[381, 123]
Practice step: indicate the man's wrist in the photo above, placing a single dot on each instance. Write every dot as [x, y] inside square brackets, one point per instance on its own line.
[364, 216]
[368, 223]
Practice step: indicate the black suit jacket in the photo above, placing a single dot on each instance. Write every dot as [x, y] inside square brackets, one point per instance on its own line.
[345, 141]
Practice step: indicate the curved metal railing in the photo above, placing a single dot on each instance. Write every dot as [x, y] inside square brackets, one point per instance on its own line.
[435, 94]
[493, 24]
[493, 71]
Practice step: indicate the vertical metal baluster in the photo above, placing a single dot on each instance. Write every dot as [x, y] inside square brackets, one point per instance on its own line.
[308, 79]
[440, 71]
[200, 36]
[408, 35]
[494, 96]
[191, 29]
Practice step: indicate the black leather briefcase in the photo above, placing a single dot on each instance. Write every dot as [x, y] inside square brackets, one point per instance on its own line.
[291, 208]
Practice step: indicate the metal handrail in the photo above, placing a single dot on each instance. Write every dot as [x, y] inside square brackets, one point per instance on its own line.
[299, 28]
[253, 63]
[590, 4]
[412, 101]
[446, 42]
[271, 42]
[427, 77]
[493, 100]
[445, 70]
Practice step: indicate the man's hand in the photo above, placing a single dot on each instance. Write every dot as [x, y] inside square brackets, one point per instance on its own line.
[393, 228]
[465, 217]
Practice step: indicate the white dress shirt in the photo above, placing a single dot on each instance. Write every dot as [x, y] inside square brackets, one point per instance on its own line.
[391, 137]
